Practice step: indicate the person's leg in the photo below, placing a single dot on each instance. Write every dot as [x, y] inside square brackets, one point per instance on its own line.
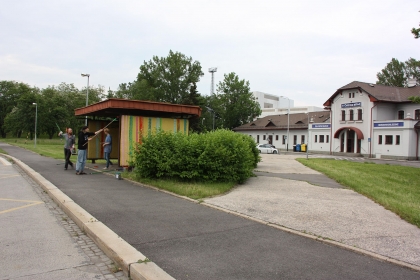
[79, 161]
[82, 165]
[68, 154]
[106, 155]
[65, 158]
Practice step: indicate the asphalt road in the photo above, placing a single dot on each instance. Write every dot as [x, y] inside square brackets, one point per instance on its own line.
[192, 241]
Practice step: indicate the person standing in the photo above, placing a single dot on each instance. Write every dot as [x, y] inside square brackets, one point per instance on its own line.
[107, 148]
[69, 140]
[82, 145]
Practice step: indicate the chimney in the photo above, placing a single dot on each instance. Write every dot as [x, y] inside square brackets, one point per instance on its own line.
[411, 82]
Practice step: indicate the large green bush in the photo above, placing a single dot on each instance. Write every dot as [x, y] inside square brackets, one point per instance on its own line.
[222, 156]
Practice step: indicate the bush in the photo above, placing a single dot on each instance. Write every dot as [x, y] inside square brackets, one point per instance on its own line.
[222, 156]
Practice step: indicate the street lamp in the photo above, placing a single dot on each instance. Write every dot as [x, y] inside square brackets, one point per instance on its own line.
[288, 122]
[211, 110]
[87, 91]
[36, 119]
[307, 140]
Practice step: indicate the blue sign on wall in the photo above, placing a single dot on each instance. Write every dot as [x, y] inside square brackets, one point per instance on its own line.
[351, 105]
[327, 125]
[389, 124]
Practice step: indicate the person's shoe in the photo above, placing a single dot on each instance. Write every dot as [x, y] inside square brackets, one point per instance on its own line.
[65, 168]
[82, 173]
[105, 168]
[77, 173]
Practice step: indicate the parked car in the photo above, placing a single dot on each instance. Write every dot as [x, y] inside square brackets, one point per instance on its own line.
[267, 149]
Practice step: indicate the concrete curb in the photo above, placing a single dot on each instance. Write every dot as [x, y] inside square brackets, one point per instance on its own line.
[133, 263]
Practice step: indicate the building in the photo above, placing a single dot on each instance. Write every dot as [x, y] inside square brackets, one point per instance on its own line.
[276, 105]
[131, 121]
[375, 121]
[363, 119]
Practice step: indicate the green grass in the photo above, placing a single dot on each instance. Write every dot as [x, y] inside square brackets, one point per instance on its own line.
[196, 190]
[395, 187]
[46, 147]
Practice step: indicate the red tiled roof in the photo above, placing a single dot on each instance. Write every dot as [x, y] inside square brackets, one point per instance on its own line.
[279, 122]
[380, 92]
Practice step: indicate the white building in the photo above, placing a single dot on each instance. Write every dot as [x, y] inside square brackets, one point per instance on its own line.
[275, 105]
[363, 120]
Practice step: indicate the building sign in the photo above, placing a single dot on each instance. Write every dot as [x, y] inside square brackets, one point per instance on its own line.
[326, 125]
[388, 124]
[351, 105]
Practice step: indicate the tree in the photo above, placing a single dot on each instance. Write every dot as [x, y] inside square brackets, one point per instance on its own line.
[234, 103]
[394, 74]
[412, 70]
[416, 32]
[165, 79]
[10, 94]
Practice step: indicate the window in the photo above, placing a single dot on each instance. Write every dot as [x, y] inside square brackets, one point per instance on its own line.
[351, 115]
[388, 139]
[277, 137]
[263, 137]
[328, 139]
[284, 140]
[359, 114]
[258, 139]
[343, 115]
[302, 139]
[417, 114]
[397, 139]
[321, 138]
[316, 138]
[400, 114]
[380, 140]
[294, 139]
[351, 94]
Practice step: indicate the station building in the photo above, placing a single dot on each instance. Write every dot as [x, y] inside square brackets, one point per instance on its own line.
[361, 119]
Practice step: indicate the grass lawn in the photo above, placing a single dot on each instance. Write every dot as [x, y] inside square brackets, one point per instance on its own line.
[395, 187]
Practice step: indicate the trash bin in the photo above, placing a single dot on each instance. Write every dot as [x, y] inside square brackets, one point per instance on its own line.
[303, 147]
[294, 148]
[298, 148]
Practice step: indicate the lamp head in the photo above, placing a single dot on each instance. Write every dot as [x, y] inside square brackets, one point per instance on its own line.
[34, 103]
[85, 75]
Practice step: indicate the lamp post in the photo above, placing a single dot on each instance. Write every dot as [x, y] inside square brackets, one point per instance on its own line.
[87, 91]
[36, 118]
[288, 122]
[211, 110]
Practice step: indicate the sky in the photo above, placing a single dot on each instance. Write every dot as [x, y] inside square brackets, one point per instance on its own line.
[303, 49]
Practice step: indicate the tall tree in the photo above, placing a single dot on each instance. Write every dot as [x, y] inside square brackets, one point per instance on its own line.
[10, 93]
[412, 70]
[394, 74]
[234, 103]
[165, 79]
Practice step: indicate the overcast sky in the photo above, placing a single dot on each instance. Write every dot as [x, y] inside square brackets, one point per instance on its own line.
[302, 49]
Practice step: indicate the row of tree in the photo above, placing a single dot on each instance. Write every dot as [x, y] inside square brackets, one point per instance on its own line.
[171, 79]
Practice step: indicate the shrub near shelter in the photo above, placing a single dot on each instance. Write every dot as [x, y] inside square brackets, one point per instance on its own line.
[219, 156]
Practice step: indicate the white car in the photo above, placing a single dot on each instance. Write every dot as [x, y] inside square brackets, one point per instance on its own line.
[266, 149]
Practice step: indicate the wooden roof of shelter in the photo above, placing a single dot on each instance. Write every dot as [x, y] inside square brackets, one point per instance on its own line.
[114, 107]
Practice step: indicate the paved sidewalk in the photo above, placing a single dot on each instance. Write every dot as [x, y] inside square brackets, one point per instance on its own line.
[325, 209]
[38, 240]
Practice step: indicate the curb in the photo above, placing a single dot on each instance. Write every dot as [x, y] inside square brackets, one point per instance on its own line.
[133, 263]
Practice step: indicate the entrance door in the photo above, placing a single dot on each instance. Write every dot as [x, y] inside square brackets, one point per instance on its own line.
[342, 143]
[350, 141]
